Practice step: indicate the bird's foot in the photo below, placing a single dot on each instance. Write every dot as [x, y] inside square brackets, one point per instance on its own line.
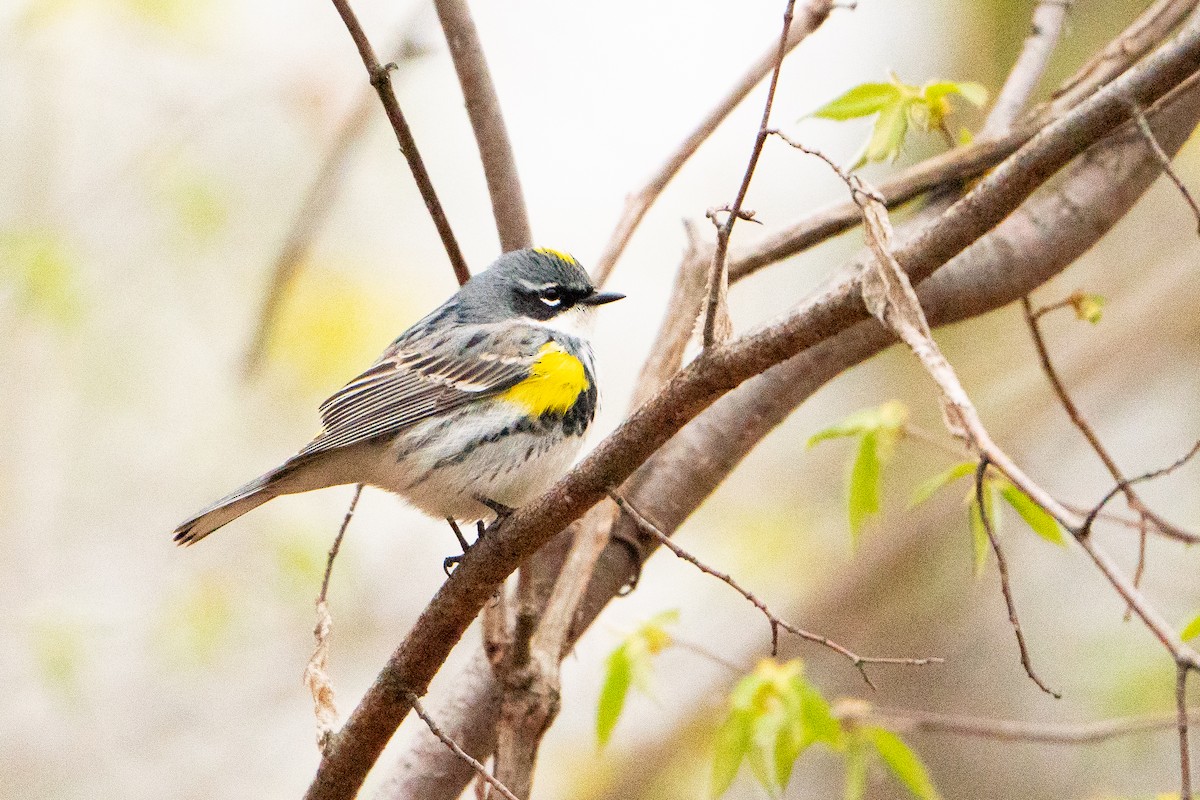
[462, 540]
[500, 509]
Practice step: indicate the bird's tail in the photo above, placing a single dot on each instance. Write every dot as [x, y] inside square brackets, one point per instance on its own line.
[229, 508]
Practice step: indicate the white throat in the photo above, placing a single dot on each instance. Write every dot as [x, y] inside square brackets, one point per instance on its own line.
[575, 321]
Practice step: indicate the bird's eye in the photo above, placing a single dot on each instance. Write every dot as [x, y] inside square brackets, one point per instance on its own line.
[551, 297]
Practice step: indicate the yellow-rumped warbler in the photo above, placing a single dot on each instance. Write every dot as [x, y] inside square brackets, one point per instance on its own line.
[477, 408]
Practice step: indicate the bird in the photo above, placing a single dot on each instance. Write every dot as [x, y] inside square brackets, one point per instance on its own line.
[475, 410]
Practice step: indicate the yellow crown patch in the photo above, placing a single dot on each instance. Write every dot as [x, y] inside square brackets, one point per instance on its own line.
[559, 254]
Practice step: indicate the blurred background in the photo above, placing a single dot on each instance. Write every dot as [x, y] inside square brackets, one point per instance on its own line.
[153, 155]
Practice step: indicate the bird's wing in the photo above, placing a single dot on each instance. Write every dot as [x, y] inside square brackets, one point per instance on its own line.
[409, 383]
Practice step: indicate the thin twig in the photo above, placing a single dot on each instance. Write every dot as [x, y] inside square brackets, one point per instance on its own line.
[811, 17]
[1005, 587]
[381, 79]
[718, 278]
[1064, 398]
[1185, 755]
[1165, 160]
[705, 653]
[337, 542]
[316, 671]
[1004, 730]
[776, 623]
[1139, 569]
[479, 768]
[1083, 530]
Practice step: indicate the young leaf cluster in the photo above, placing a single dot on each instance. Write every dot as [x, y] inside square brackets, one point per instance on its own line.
[897, 106]
[878, 430]
[774, 716]
[865, 743]
[630, 665]
[994, 488]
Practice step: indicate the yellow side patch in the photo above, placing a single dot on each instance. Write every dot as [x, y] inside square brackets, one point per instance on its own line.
[554, 383]
[549, 251]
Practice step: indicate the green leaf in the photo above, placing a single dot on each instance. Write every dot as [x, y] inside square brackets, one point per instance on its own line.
[654, 631]
[769, 724]
[887, 137]
[979, 536]
[865, 480]
[903, 762]
[859, 422]
[1191, 630]
[628, 665]
[856, 769]
[1034, 515]
[973, 93]
[733, 741]
[789, 744]
[618, 677]
[890, 416]
[861, 101]
[931, 486]
[819, 722]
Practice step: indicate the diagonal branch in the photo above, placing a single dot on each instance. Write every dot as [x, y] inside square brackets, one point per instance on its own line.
[381, 79]
[716, 319]
[1005, 586]
[1003, 730]
[312, 213]
[809, 18]
[1089, 433]
[776, 623]
[480, 769]
[1037, 242]
[491, 134]
[715, 372]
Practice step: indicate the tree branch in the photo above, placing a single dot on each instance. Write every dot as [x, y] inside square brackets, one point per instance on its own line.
[1003, 730]
[491, 134]
[479, 768]
[713, 373]
[716, 315]
[1039, 240]
[1005, 586]
[313, 211]
[1048, 19]
[773, 619]
[810, 17]
[381, 79]
[1089, 433]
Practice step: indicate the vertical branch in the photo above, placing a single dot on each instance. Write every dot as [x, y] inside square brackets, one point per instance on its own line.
[638, 203]
[1047, 25]
[718, 278]
[491, 135]
[381, 79]
[1005, 586]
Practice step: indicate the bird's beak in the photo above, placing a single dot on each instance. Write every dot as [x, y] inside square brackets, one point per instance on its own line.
[600, 298]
